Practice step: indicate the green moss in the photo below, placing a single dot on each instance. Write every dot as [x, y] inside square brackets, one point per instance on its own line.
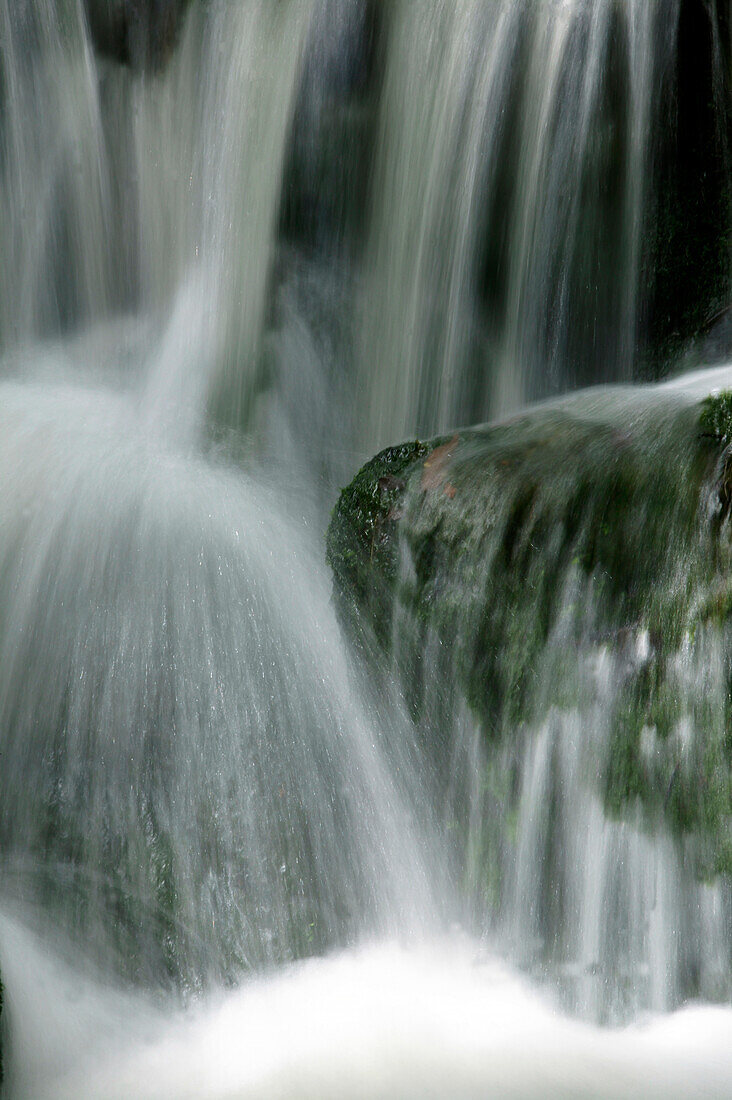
[715, 420]
[360, 547]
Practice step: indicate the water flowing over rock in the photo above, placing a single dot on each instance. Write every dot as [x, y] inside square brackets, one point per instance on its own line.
[178, 781]
[553, 592]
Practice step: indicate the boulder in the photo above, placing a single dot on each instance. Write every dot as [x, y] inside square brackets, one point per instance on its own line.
[507, 560]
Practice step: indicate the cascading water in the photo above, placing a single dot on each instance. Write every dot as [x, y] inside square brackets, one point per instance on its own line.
[583, 711]
[241, 246]
[550, 173]
[163, 769]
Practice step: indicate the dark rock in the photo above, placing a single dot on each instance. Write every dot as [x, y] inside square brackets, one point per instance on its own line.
[690, 259]
[328, 165]
[361, 549]
[139, 33]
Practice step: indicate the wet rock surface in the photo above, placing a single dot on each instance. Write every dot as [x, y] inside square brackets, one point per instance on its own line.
[585, 526]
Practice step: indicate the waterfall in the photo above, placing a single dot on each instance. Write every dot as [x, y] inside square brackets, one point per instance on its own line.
[188, 760]
[557, 623]
[491, 201]
[243, 245]
[525, 126]
[182, 754]
[54, 186]
[182, 176]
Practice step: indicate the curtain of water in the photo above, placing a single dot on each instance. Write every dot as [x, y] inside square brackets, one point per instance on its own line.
[120, 191]
[189, 779]
[508, 218]
[54, 184]
[185, 760]
[210, 162]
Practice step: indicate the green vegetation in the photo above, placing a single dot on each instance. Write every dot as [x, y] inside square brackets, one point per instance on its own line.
[361, 546]
[715, 420]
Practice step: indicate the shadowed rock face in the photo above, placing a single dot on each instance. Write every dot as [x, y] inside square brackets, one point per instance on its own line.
[139, 33]
[691, 248]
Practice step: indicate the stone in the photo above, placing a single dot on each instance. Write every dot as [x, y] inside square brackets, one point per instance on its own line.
[591, 525]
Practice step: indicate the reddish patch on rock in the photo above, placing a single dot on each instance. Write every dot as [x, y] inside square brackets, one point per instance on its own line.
[436, 466]
[389, 483]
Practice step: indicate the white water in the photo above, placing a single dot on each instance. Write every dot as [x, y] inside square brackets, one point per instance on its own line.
[179, 717]
[387, 1022]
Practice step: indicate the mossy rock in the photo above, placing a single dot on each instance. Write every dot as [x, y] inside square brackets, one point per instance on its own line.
[601, 521]
[361, 548]
[715, 419]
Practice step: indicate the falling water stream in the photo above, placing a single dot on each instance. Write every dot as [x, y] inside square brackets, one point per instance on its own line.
[231, 268]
